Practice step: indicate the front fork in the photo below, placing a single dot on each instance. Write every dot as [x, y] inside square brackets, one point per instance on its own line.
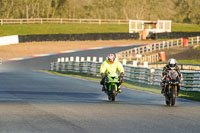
[110, 87]
[169, 88]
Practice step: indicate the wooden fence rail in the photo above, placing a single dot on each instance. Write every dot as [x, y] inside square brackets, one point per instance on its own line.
[62, 21]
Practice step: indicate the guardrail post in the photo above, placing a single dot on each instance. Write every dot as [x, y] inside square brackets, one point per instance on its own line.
[135, 63]
[71, 58]
[94, 59]
[66, 59]
[124, 62]
[88, 59]
[198, 40]
[77, 58]
[100, 59]
[146, 64]
[62, 59]
[82, 59]
[58, 60]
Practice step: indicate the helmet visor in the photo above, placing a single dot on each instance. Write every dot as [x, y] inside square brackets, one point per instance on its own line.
[172, 65]
[111, 60]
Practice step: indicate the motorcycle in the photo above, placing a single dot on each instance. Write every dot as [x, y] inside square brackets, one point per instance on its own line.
[111, 82]
[171, 86]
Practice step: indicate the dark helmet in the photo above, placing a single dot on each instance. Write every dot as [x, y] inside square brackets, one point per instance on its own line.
[172, 63]
[111, 58]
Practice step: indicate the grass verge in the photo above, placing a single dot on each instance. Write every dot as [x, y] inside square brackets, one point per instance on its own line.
[128, 84]
[28, 29]
[189, 61]
[179, 27]
[198, 48]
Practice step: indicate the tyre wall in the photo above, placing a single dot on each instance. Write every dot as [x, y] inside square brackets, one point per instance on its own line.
[78, 37]
[172, 35]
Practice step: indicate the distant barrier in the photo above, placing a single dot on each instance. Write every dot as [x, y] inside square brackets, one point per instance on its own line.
[173, 35]
[144, 75]
[78, 37]
[194, 67]
[132, 54]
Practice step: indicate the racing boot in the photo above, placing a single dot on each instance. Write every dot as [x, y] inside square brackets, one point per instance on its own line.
[163, 91]
[178, 89]
[103, 88]
[119, 89]
[162, 85]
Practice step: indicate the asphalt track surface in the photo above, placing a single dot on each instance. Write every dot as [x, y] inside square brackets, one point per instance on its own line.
[36, 102]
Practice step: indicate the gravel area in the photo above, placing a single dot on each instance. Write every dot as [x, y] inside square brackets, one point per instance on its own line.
[32, 48]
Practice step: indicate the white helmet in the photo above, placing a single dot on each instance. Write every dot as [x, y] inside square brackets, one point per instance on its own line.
[172, 63]
[111, 58]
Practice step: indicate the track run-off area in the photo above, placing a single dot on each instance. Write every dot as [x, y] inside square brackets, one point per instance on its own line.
[37, 102]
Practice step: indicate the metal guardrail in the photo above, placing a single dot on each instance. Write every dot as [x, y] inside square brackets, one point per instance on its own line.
[131, 54]
[143, 75]
[189, 67]
[62, 21]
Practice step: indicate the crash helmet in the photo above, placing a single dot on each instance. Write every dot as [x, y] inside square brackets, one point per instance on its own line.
[111, 58]
[172, 63]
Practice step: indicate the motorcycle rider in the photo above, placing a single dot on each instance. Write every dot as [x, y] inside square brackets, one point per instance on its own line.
[111, 65]
[170, 66]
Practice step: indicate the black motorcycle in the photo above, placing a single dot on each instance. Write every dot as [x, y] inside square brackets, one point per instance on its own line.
[171, 87]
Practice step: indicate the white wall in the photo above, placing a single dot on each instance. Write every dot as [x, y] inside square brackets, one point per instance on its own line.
[7, 40]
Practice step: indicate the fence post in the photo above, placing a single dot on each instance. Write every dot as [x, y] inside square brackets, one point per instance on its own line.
[41, 21]
[61, 20]
[99, 21]
[119, 22]
[192, 40]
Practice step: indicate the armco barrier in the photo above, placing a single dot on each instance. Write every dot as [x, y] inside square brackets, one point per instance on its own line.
[188, 67]
[131, 54]
[142, 75]
[78, 37]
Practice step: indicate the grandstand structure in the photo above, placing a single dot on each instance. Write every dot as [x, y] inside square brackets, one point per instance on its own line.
[150, 26]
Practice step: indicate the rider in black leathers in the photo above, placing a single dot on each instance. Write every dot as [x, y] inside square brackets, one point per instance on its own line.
[171, 65]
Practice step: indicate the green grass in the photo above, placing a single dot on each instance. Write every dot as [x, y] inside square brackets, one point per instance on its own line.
[138, 86]
[178, 27]
[194, 61]
[198, 48]
[28, 29]
[189, 61]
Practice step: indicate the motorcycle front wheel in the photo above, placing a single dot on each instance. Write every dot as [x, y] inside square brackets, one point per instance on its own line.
[173, 96]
